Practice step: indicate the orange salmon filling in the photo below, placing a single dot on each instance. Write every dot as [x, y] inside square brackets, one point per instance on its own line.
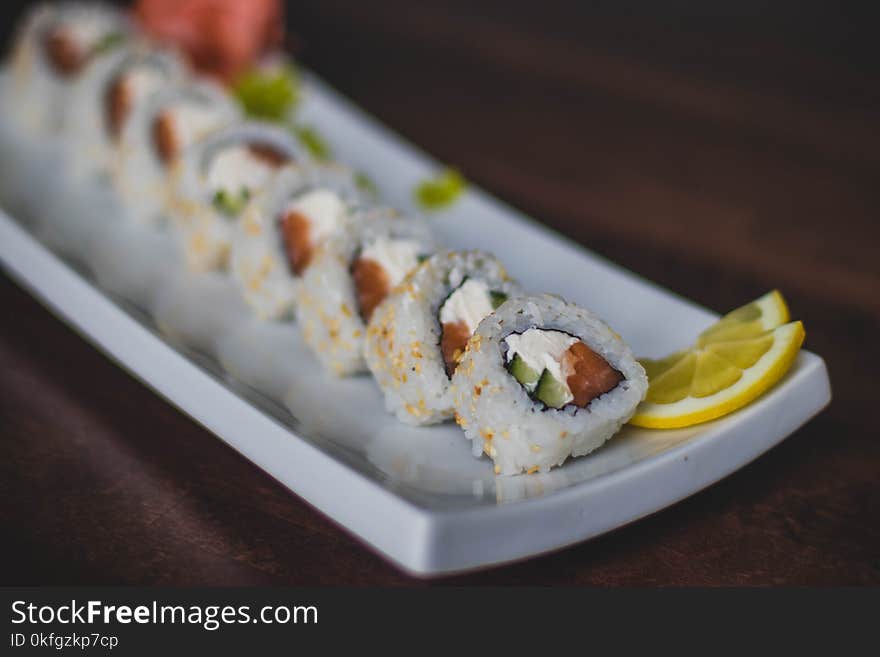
[268, 154]
[117, 104]
[65, 56]
[296, 233]
[165, 138]
[452, 343]
[589, 374]
[371, 283]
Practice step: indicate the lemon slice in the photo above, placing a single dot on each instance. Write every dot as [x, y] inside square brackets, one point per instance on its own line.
[750, 320]
[732, 362]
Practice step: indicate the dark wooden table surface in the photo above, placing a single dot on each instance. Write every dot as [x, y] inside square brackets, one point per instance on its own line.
[719, 155]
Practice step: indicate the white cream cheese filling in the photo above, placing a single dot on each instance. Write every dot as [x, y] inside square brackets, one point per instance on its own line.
[235, 169]
[86, 32]
[397, 256]
[324, 210]
[139, 82]
[542, 350]
[191, 122]
[470, 303]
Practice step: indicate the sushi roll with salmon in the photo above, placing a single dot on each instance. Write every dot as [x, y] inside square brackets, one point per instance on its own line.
[159, 131]
[112, 89]
[417, 336]
[213, 182]
[349, 276]
[54, 49]
[280, 231]
[542, 380]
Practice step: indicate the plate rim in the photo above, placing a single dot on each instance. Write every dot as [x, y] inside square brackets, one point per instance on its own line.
[421, 540]
[430, 533]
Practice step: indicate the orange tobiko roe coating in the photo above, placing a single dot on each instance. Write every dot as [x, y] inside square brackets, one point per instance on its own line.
[221, 38]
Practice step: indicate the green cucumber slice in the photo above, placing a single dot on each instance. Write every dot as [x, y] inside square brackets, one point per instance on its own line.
[522, 372]
[551, 392]
[231, 204]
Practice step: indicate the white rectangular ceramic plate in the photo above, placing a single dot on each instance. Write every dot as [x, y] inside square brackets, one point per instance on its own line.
[415, 495]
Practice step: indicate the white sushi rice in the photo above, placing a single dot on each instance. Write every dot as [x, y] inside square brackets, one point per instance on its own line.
[41, 95]
[326, 301]
[205, 232]
[402, 347]
[85, 125]
[259, 262]
[33, 82]
[59, 121]
[519, 433]
[140, 175]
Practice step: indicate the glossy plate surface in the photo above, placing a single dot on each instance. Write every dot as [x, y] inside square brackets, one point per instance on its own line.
[415, 495]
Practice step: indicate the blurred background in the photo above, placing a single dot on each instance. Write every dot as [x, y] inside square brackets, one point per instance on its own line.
[718, 149]
[704, 145]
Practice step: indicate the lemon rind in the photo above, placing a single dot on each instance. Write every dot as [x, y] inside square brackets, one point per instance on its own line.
[774, 310]
[756, 380]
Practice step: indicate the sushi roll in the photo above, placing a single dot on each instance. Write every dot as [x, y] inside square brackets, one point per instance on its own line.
[111, 90]
[213, 181]
[349, 276]
[54, 48]
[158, 132]
[542, 380]
[281, 229]
[417, 336]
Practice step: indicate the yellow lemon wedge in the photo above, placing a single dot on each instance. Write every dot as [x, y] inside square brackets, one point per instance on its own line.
[731, 363]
